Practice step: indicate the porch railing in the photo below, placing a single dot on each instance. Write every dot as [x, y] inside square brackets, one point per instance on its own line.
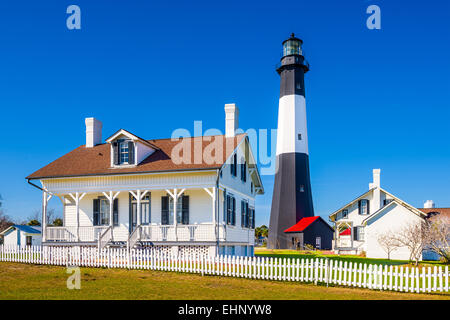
[191, 232]
[105, 237]
[70, 234]
[66, 234]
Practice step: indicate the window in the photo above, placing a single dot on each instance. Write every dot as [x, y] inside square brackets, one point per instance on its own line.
[233, 165]
[145, 210]
[251, 187]
[182, 210]
[387, 201]
[29, 240]
[244, 214]
[231, 250]
[231, 210]
[358, 233]
[104, 212]
[344, 214]
[302, 188]
[251, 218]
[299, 136]
[318, 242]
[123, 152]
[363, 207]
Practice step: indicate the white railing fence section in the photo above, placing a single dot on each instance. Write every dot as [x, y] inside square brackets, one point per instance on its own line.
[318, 270]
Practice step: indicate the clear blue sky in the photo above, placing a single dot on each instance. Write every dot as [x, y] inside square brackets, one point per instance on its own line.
[375, 98]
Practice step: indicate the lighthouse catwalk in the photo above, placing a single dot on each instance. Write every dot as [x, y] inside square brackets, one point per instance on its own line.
[292, 199]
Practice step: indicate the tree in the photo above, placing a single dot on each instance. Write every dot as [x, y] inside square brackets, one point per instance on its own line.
[58, 222]
[261, 231]
[412, 236]
[437, 236]
[36, 217]
[388, 242]
[5, 221]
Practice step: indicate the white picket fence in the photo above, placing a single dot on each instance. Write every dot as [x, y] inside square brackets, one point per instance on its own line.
[319, 270]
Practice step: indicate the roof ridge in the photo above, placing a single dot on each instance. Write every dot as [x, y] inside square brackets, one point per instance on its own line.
[213, 135]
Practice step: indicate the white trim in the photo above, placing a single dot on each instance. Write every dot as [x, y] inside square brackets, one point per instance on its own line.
[222, 187]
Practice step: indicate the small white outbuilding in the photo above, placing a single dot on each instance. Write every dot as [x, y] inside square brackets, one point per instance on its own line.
[21, 236]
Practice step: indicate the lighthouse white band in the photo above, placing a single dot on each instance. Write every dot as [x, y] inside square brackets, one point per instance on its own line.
[291, 124]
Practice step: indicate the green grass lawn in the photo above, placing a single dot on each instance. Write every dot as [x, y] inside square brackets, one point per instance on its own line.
[27, 281]
[263, 252]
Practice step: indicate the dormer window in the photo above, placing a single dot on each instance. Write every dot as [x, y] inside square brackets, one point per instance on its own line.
[123, 152]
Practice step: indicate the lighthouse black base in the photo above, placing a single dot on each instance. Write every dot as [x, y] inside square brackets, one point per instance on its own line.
[292, 198]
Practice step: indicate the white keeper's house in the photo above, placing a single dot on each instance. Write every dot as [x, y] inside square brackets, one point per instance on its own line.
[187, 195]
[359, 223]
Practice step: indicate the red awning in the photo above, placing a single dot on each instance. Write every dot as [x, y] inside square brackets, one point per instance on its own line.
[302, 224]
[346, 232]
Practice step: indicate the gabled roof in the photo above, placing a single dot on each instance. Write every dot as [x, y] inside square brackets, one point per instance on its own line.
[398, 202]
[350, 203]
[26, 229]
[130, 136]
[96, 161]
[396, 199]
[302, 224]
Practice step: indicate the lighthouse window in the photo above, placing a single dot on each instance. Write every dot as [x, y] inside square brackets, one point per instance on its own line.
[299, 136]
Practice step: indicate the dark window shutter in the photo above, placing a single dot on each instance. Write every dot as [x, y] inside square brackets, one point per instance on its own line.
[164, 210]
[228, 209]
[235, 165]
[247, 214]
[232, 166]
[185, 209]
[131, 152]
[96, 211]
[355, 233]
[253, 218]
[234, 212]
[116, 212]
[244, 171]
[359, 207]
[242, 214]
[225, 206]
[115, 146]
[368, 207]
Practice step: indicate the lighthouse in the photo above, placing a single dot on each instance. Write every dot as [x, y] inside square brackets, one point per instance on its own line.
[292, 198]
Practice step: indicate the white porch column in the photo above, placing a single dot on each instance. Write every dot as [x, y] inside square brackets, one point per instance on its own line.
[111, 197]
[44, 215]
[139, 195]
[46, 196]
[213, 195]
[77, 198]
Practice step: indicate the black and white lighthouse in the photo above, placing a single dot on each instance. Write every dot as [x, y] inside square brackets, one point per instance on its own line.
[292, 199]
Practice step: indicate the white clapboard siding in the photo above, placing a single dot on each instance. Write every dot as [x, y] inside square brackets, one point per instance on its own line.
[325, 271]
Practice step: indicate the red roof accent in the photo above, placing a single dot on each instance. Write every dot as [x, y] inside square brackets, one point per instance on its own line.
[302, 224]
[346, 232]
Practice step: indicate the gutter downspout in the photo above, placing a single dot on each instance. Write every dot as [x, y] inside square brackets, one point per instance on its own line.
[43, 223]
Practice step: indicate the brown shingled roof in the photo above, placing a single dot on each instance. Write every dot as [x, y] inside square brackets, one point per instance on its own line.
[84, 161]
[441, 211]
